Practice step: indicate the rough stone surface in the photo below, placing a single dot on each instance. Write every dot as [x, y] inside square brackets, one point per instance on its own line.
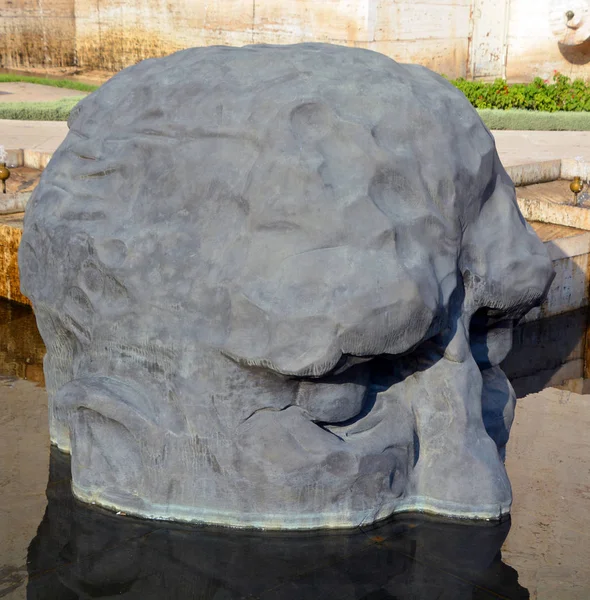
[275, 293]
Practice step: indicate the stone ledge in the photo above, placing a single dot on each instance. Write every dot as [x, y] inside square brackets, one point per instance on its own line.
[548, 170]
[551, 212]
[539, 172]
[22, 157]
[11, 203]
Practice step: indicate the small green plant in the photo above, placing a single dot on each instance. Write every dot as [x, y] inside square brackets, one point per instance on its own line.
[60, 83]
[562, 94]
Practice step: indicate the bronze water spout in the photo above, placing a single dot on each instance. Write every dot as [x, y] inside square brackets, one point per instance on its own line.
[576, 186]
[4, 175]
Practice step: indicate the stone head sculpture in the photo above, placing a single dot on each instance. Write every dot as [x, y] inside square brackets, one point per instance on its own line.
[275, 285]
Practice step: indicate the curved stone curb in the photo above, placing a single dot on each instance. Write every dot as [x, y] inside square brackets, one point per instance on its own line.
[13, 202]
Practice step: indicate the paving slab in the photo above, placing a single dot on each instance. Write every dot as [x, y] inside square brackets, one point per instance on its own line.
[548, 460]
[522, 147]
[33, 92]
[44, 136]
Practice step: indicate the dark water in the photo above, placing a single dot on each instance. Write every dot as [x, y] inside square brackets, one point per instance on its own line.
[84, 552]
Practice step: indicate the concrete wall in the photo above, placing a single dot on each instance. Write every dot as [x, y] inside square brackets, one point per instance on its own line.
[482, 38]
[434, 33]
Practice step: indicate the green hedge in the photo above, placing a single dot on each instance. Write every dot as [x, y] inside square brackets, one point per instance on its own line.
[562, 94]
[60, 83]
[58, 110]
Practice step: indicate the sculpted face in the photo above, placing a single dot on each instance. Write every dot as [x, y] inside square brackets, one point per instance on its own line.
[276, 296]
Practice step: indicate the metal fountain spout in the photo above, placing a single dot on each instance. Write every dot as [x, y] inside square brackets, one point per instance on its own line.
[4, 175]
[4, 171]
[576, 186]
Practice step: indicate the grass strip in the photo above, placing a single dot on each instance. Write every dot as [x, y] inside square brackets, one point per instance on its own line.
[530, 120]
[60, 83]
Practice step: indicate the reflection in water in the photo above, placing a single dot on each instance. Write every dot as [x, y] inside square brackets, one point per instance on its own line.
[84, 552]
[542, 348]
[21, 346]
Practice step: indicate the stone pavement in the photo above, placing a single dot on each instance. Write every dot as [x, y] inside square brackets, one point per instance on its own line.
[44, 136]
[515, 147]
[32, 92]
[521, 147]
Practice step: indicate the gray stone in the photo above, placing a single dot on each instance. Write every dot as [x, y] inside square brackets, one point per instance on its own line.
[275, 284]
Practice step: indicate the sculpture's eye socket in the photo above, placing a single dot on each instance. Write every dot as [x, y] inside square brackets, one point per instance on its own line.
[335, 398]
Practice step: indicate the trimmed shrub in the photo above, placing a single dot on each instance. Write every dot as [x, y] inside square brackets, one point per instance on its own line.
[58, 110]
[562, 94]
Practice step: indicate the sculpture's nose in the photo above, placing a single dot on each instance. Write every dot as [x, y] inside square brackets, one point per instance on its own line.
[446, 400]
[336, 398]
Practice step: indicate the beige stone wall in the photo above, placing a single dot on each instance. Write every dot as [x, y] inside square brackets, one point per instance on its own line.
[115, 33]
[37, 32]
[434, 33]
[454, 37]
[112, 34]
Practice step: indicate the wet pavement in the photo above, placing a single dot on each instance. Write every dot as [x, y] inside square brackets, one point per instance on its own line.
[54, 547]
